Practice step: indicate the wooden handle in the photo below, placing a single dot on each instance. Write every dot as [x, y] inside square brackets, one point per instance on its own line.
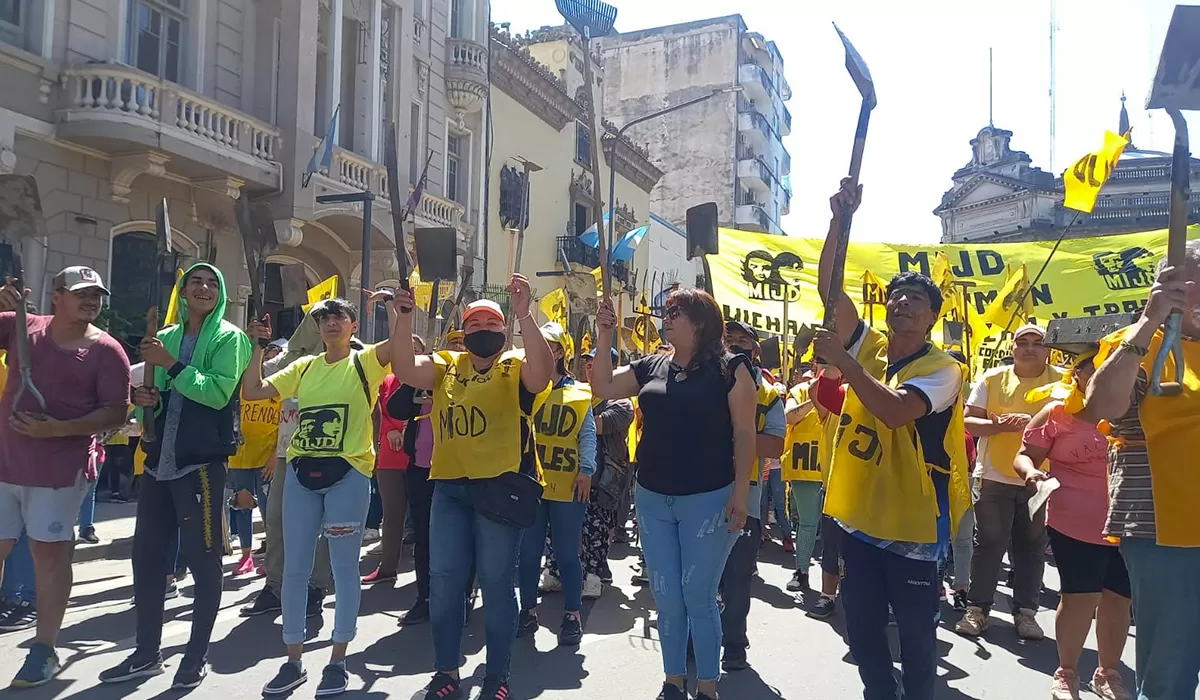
[148, 428]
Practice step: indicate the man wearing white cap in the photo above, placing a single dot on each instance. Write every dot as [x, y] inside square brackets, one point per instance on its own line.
[997, 413]
[83, 375]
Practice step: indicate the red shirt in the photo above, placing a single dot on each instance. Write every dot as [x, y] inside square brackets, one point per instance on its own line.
[387, 457]
[74, 383]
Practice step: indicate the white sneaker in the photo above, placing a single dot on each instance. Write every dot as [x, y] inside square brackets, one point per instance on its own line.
[549, 584]
[371, 535]
[593, 587]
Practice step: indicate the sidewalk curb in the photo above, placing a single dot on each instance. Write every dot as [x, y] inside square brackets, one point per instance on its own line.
[119, 548]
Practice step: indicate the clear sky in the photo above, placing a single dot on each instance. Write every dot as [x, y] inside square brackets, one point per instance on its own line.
[929, 59]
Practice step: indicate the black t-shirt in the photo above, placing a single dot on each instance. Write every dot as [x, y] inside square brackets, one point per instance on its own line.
[687, 433]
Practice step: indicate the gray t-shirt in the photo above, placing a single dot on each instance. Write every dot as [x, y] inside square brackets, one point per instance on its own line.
[776, 426]
[167, 469]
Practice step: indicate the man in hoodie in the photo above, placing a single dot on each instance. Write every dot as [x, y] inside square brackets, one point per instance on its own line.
[198, 366]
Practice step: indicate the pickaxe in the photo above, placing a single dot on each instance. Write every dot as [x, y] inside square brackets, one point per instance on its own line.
[866, 88]
[1177, 88]
[21, 218]
[162, 251]
[259, 239]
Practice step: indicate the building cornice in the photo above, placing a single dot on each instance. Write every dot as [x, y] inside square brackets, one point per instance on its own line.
[530, 83]
[631, 161]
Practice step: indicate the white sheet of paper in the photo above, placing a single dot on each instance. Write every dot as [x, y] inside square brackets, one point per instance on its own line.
[1044, 489]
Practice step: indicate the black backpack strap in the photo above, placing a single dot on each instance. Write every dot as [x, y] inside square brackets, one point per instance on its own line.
[362, 377]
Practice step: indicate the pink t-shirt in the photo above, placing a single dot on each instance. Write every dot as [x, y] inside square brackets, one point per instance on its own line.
[1079, 460]
[74, 384]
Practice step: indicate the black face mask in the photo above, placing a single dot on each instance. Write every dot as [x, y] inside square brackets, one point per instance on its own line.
[484, 343]
[737, 350]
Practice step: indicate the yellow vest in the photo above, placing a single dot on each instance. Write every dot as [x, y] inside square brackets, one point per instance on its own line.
[801, 447]
[635, 431]
[556, 426]
[880, 483]
[872, 355]
[477, 417]
[768, 396]
[260, 434]
[1172, 428]
[1006, 394]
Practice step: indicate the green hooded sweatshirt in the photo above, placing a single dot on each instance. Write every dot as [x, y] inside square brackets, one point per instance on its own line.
[208, 383]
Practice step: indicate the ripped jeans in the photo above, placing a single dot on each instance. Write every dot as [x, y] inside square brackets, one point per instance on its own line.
[686, 541]
[337, 514]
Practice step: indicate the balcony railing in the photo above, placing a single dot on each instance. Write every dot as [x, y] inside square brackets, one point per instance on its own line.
[580, 254]
[125, 93]
[466, 74]
[355, 171]
[787, 163]
[418, 31]
[787, 121]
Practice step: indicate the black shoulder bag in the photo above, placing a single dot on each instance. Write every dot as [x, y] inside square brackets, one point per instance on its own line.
[511, 498]
[318, 473]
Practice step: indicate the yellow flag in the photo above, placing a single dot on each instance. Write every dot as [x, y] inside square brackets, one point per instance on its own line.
[1004, 308]
[555, 307]
[585, 343]
[645, 335]
[1084, 179]
[327, 289]
[172, 316]
[643, 305]
[874, 291]
[943, 277]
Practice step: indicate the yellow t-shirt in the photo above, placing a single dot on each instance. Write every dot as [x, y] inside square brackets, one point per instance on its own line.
[260, 434]
[3, 370]
[335, 409]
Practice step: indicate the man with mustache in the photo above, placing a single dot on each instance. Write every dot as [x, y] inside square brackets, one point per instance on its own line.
[84, 376]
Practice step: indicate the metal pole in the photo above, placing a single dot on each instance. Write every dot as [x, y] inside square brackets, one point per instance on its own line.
[366, 326]
[783, 344]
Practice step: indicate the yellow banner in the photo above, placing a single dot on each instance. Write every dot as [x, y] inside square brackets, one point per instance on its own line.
[1084, 179]
[755, 273]
[555, 308]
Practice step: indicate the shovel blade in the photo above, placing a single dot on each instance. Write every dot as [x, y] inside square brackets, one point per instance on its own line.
[162, 230]
[858, 71]
[20, 208]
[1177, 81]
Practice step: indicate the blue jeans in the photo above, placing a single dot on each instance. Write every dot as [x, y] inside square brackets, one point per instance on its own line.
[806, 504]
[458, 537]
[19, 582]
[775, 490]
[241, 521]
[1166, 604]
[565, 521]
[337, 514]
[87, 509]
[686, 534]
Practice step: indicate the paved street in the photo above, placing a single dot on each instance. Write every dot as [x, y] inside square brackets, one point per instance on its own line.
[793, 657]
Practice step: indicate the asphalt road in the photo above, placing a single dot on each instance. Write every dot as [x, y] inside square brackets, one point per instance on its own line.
[792, 656]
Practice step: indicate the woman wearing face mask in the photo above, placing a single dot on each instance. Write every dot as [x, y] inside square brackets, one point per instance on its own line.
[483, 401]
[1094, 580]
[695, 461]
[566, 443]
[327, 485]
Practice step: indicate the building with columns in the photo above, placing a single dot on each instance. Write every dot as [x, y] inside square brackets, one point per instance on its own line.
[115, 105]
[1000, 197]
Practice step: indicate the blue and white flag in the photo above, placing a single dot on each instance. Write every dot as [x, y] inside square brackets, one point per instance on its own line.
[322, 158]
[589, 237]
[624, 249]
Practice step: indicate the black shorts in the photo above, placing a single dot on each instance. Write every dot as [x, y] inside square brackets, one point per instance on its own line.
[1084, 567]
[831, 537]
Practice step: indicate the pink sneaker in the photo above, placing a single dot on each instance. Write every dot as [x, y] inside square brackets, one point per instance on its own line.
[245, 566]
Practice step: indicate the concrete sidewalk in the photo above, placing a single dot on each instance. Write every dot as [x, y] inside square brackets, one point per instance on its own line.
[114, 526]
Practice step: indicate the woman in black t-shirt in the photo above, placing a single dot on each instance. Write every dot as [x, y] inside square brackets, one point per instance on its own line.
[695, 460]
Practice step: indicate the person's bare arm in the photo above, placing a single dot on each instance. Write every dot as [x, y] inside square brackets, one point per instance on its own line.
[1029, 460]
[538, 368]
[99, 421]
[414, 370]
[795, 411]
[980, 424]
[743, 403]
[254, 387]
[608, 383]
[894, 407]
[846, 316]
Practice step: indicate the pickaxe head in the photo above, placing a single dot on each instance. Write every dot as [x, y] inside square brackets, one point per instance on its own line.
[1177, 82]
[858, 71]
[20, 208]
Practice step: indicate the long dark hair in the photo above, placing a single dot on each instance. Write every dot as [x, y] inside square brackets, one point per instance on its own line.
[702, 310]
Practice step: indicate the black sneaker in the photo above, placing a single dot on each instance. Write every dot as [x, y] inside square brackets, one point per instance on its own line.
[417, 614]
[289, 677]
[88, 534]
[825, 607]
[334, 681]
[527, 623]
[493, 689]
[444, 687]
[571, 632]
[703, 696]
[265, 602]
[606, 575]
[670, 691]
[315, 600]
[734, 661]
[136, 666]
[189, 675]
[960, 601]
[640, 575]
[21, 615]
[799, 581]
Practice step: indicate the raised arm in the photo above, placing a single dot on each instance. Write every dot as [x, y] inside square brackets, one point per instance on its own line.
[894, 407]
[414, 370]
[254, 387]
[846, 313]
[538, 367]
[608, 383]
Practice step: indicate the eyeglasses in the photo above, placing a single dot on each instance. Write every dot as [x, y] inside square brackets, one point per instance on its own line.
[673, 312]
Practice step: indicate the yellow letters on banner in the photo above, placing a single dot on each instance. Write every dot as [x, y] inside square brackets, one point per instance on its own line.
[1086, 276]
[1087, 175]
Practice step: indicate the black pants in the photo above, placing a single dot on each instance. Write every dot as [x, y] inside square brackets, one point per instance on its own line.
[873, 579]
[118, 462]
[735, 589]
[420, 500]
[1002, 523]
[187, 509]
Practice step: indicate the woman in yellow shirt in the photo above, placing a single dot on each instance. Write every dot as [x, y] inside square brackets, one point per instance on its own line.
[483, 448]
[327, 487]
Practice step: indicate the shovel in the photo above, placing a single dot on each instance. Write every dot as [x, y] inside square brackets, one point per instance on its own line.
[1176, 89]
[20, 218]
